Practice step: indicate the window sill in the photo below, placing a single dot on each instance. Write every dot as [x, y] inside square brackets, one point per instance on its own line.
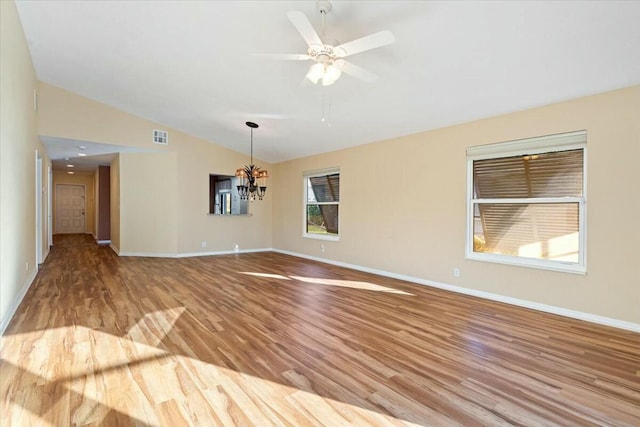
[321, 237]
[564, 267]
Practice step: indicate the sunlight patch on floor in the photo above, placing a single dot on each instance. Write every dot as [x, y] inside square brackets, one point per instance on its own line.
[23, 417]
[154, 326]
[109, 378]
[350, 284]
[353, 284]
[267, 275]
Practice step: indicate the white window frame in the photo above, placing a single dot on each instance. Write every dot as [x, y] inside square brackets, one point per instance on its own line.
[539, 145]
[306, 176]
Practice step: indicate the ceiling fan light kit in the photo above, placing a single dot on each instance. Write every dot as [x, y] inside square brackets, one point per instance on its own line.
[328, 57]
[328, 72]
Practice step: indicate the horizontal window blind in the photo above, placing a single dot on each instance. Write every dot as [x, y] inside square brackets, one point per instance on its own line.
[326, 188]
[543, 231]
[557, 174]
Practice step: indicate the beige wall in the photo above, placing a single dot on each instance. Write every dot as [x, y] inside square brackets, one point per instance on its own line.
[220, 232]
[403, 207]
[148, 203]
[87, 180]
[18, 145]
[67, 115]
[102, 193]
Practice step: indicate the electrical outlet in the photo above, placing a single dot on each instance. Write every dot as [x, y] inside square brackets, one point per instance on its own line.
[27, 266]
[236, 248]
[456, 272]
[204, 243]
[322, 247]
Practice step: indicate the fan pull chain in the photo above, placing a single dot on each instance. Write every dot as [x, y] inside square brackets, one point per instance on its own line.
[322, 91]
[326, 112]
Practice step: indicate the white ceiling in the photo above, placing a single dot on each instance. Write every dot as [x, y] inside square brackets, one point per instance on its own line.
[189, 65]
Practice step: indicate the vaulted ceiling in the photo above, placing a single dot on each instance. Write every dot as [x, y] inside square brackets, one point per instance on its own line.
[190, 65]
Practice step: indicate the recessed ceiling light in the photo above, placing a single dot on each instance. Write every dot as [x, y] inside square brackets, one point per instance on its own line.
[70, 166]
[70, 173]
[82, 147]
[82, 154]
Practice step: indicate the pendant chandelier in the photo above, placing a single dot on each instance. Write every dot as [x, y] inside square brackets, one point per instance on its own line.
[252, 181]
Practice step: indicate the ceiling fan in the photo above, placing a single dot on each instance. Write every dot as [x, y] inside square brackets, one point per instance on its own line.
[328, 56]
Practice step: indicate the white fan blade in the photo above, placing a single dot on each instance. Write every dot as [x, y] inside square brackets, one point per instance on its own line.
[304, 27]
[357, 72]
[284, 56]
[373, 41]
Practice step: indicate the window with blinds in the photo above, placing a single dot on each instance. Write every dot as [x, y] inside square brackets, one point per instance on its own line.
[322, 202]
[527, 202]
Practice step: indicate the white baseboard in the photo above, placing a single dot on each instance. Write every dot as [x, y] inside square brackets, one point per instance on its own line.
[240, 251]
[147, 254]
[190, 254]
[103, 242]
[593, 318]
[16, 302]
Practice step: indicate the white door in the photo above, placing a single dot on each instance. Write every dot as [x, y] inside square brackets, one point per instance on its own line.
[70, 216]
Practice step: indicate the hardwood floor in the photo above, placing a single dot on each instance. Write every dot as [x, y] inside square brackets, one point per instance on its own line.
[268, 339]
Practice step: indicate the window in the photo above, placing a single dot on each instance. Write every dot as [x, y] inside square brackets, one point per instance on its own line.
[321, 203]
[526, 202]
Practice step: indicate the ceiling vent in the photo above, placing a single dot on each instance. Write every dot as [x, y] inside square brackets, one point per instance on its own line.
[161, 137]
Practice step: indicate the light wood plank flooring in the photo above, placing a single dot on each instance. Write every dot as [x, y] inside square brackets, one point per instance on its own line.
[268, 339]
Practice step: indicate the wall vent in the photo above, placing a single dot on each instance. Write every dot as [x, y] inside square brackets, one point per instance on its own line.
[160, 137]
